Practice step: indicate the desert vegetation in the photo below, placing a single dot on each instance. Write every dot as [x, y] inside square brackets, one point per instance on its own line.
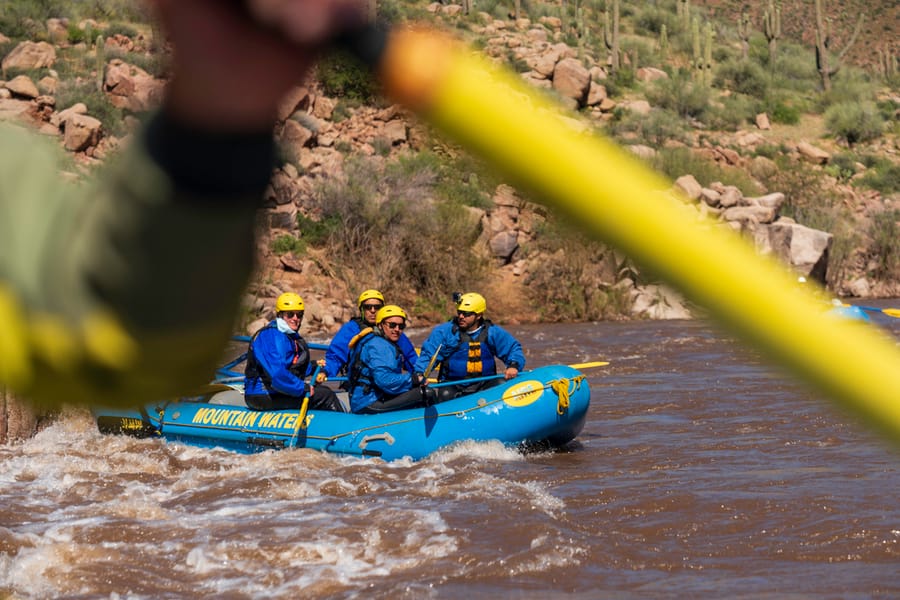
[408, 218]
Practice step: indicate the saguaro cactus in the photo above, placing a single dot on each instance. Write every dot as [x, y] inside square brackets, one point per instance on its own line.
[772, 29]
[743, 30]
[824, 66]
[706, 67]
[611, 34]
[100, 53]
[696, 49]
[702, 52]
[683, 10]
[663, 42]
[886, 62]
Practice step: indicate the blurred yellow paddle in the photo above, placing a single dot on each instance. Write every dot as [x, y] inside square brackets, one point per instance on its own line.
[617, 199]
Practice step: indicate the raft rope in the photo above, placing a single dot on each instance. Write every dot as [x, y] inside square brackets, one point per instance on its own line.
[557, 385]
[563, 388]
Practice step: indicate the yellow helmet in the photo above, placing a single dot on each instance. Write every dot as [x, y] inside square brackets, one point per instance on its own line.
[472, 302]
[368, 295]
[390, 310]
[289, 301]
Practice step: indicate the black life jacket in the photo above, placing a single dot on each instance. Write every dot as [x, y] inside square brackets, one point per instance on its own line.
[356, 375]
[299, 363]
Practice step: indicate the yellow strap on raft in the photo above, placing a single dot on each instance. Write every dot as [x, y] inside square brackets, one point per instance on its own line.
[617, 199]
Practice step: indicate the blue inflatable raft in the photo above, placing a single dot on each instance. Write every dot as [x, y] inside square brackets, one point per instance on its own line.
[547, 405]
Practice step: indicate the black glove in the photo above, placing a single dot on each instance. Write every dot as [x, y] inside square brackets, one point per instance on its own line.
[429, 396]
[419, 380]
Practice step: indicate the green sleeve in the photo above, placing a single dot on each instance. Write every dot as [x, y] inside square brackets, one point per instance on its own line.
[124, 289]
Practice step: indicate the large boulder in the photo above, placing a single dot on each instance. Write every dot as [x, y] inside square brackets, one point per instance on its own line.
[30, 55]
[803, 248]
[571, 80]
[23, 87]
[81, 132]
[130, 87]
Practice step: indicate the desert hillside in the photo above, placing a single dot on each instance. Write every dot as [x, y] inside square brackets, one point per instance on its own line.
[367, 195]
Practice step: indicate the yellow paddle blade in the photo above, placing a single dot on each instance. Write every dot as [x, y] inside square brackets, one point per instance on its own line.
[892, 312]
[589, 365]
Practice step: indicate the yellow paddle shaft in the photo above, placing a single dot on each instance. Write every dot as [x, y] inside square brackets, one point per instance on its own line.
[589, 365]
[620, 201]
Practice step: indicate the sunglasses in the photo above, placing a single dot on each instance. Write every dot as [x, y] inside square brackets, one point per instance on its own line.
[392, 325]
[372, 306]
[293, 313]
[465, 313]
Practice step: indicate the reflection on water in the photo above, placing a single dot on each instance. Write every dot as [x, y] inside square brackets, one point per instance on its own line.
[700, 472]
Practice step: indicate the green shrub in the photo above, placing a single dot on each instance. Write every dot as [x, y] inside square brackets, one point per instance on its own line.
[680, 95]
[390, 229]
[25, 19]
[675, 162]
[885, 249]
[572, 275]
[769, 151]
[119, 29]
[342, 76]
[287, 243]
[621, 80]
[317, 233]
[808, 198]
[841, 166]
[743, 77]
[649, 20]
[795, 70]
[655, 129]
[854, 121]
[786, 114]
[851, 85]
[732, 112]
[75, 34]
[85, 90]
[640, 52]
[459, 179]
[382, 146]
[884, 177]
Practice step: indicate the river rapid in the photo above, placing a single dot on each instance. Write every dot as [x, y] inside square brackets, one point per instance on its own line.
[701, 472]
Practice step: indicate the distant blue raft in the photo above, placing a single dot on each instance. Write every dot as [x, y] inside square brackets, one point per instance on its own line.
[547, 405]
[849, 311]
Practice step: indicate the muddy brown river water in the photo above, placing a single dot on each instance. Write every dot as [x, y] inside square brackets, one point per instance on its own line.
[701, 473]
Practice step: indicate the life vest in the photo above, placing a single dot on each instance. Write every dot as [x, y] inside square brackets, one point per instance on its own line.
[472, 357]
[358, 375]
[299, 362]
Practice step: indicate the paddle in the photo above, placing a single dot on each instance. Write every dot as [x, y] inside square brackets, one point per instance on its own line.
[468, 380]
[891, 312]
[304, 406]
[590, 365]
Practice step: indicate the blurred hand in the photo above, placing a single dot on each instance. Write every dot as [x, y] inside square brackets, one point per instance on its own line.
[235, 59]
[511, 372]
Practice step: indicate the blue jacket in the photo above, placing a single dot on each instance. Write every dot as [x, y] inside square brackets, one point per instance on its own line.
[454, 355]
[338, 352]
[380, 372]
[277, 362]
